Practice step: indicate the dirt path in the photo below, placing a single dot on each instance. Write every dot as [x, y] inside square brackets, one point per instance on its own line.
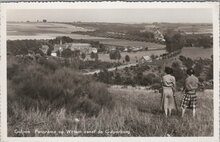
[111, 69]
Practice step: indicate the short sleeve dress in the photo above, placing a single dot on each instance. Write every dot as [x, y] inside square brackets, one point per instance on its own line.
[168, 83]
[190, 98]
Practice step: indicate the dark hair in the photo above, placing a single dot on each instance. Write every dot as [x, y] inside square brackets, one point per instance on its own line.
[190, 71]
[168, 70]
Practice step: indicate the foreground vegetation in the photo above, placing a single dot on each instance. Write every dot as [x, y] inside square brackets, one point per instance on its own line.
[135, 113]
[46, 85]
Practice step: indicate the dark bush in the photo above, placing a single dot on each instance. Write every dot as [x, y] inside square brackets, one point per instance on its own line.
[41, 88]
[156, 86]
[12, 67]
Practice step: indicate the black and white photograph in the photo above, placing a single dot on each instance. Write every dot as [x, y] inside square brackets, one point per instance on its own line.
[111, 71]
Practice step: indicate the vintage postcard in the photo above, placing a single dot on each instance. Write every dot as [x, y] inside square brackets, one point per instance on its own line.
[110, 71]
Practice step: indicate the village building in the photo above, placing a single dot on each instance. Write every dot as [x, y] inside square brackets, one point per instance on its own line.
[94, 50]
[125, 49]
[155, 30]
[82, 47]
[57, 48]
[53, 54]
[145, 59]
[158, 36]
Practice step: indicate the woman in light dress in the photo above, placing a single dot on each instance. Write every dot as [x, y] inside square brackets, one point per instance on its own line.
[168, 86]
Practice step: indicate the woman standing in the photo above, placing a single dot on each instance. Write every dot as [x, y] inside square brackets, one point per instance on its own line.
[190, 97]
[168, 85]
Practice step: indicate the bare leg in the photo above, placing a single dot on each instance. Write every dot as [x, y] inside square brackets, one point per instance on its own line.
[170, 111]
[194, 112]
[183, 111]
[166, 111]
[161, 102]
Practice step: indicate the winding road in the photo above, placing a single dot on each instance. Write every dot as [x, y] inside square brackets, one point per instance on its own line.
[111, 69]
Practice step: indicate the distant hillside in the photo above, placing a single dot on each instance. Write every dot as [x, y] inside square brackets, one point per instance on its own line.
[33, 28]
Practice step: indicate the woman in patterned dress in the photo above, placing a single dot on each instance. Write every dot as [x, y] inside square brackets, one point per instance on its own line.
[190, 98]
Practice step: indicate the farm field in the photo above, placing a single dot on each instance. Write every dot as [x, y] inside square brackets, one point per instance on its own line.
[136, 113]
[196, 29]
[51, 36]
[23, 31]
[36, 28]
[188, 28]
[126, 43]
[194, 52]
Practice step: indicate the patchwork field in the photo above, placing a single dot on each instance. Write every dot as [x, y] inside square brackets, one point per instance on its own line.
[126, 43]
[188, 28]
[40, 28]
[52, 30]
[194, 52]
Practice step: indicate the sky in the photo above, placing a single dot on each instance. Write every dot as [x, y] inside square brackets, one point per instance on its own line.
[113, 15]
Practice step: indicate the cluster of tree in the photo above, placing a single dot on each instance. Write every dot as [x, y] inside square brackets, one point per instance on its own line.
[210, 73]
[179, 74]
[153, 57]
[174, 41]
[188, 62]
[199, 40]
[68, 53]
[115, 55]
[170, 54]
[129, 76]
[94, 56]
[119, 79]
[23, 47]
[203, 69]
[146, 80]
[127, 58]
[198, 65]
[97, 64]
[70, 57]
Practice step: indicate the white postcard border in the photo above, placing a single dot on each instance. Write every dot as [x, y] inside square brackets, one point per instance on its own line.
[109, 5]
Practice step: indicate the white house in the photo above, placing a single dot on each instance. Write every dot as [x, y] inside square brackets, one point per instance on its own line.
[145, 59]
[82, 47]
[94, 50]
[54, 54]
[125, 49]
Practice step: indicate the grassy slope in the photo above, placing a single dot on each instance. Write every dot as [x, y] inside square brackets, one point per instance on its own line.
[135, 111]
